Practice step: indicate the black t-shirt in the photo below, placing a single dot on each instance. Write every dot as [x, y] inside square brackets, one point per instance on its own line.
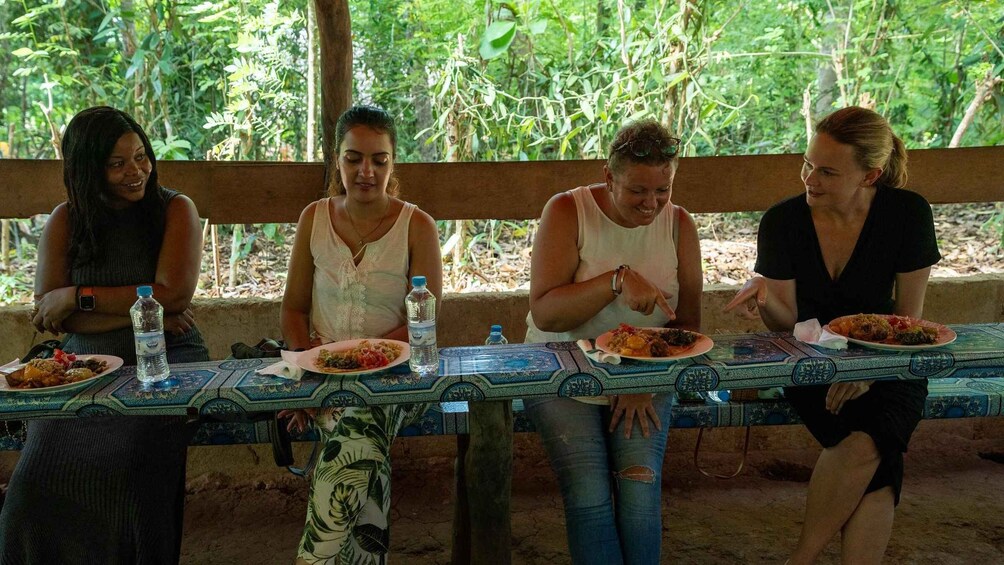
[897, 237]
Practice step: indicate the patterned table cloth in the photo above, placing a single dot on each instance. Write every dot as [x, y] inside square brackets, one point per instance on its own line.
[232, 388]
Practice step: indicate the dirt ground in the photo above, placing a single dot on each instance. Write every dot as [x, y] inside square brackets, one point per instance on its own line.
[951, 511]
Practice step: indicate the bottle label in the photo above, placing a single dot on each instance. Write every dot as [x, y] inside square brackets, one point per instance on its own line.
[422, 333]
[150, 343]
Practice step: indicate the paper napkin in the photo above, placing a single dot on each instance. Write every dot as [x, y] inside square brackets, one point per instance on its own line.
[810, 332]
[597, 355]
[285, 369]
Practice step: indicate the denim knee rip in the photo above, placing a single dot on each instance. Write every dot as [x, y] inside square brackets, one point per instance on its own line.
[638, 473]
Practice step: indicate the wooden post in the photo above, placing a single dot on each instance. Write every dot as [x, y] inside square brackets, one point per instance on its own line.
[334, 35]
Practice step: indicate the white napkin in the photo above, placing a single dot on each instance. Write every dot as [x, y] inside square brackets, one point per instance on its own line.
[285, 369]
[810, 332]
[596, 355]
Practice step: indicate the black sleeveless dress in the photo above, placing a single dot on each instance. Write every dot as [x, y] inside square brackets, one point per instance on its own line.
[106, 490]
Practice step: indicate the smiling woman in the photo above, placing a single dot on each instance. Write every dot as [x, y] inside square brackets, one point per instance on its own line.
[118, 229]
[614, 253]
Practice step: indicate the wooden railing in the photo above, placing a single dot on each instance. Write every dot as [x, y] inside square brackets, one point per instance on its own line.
[260, 192]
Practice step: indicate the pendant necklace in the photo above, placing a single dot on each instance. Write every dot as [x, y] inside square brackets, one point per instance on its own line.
[362, 238]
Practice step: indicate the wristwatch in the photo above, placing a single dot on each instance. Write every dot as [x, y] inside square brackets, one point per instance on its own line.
[85, 298]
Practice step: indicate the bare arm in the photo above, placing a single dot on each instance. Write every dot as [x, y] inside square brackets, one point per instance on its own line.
[294, 314]
[770, 299]
[174, 282]
[424, 258]
[910, 290]
[690, 275]
[556, 302]
[178, 265]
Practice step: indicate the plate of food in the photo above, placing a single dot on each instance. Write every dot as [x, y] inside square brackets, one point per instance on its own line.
[656, 345]
[64, 371]
[354, 356]
[891, 332]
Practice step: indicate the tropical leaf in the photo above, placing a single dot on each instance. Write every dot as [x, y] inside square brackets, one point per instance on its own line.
[372, 538]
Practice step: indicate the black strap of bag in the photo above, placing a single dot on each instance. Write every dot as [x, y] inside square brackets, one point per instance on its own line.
[282, 443]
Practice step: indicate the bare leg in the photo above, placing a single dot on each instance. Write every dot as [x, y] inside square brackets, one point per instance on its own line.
[866, 535]
[839, 480]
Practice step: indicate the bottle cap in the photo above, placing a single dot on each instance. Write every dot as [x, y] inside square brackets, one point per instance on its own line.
[418, 280]
[496, 329]
[144, 291]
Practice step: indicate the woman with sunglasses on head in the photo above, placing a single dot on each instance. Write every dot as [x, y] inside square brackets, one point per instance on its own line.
[605, 254]
[854, 242]
[108, 489]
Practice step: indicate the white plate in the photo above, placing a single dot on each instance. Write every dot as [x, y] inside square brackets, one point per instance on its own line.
[946, 335]
[114, 363]
[701, 346]
[306, 359]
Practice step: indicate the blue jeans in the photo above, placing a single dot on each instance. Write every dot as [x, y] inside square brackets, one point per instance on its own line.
[611, 486]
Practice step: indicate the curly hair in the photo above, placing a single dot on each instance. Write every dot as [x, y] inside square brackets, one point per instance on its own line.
[88, 141]
[645, 142]
[374, 118]
[875, 145]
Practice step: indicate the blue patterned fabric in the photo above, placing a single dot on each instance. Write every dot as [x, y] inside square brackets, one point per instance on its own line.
[231, 389]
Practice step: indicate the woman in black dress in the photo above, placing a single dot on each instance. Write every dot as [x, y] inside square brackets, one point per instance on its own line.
[854, 242]
[107, 489]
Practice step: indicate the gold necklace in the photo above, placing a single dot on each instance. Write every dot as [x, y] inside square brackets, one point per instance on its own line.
[362, 238]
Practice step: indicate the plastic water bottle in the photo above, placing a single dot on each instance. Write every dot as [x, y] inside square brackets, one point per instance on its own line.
[421, 307]
[495, 337]
[148, 328]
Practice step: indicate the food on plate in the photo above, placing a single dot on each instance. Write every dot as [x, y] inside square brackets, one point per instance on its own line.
[63, 368]
[644, 342]
[866, 327]
[365, 355]
[891, 329]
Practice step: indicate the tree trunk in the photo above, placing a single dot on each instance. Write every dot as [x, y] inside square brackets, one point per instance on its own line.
[826, 76]
[334, 35]
[311, 82]
[983, 91]
[675, 104]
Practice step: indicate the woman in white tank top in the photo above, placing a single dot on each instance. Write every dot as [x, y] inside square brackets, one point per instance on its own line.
[607, 254]
[348, 275]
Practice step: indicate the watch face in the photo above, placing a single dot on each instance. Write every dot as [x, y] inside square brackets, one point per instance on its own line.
[86, 303]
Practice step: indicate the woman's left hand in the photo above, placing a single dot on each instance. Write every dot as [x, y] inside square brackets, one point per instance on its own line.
[631, 406]
[840, 393]
[54, 307]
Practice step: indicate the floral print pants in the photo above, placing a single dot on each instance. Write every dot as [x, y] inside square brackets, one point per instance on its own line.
[347, 514]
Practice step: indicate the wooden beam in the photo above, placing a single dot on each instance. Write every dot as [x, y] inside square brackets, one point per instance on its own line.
[256, 192]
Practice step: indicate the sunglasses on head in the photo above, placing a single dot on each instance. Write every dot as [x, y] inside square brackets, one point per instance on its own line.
[647, 146]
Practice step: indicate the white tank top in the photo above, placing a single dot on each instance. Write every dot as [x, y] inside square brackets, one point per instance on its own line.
[350, 301]
[604, 245]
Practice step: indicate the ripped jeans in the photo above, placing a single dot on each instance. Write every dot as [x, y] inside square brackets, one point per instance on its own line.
[611, 486]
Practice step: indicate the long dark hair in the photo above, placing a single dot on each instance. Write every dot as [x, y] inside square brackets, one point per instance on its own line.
[374, 118]
[88, 141]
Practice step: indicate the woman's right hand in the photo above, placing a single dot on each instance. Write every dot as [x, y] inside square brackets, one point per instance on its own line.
[749, 299]
[179, 324]
[299, 420]
[643, 296]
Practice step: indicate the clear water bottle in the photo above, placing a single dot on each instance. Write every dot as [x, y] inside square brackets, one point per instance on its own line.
[495, 336]
[421, 306]
[148, 328]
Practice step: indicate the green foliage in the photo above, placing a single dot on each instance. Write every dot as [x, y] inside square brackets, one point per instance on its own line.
[499, 80]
